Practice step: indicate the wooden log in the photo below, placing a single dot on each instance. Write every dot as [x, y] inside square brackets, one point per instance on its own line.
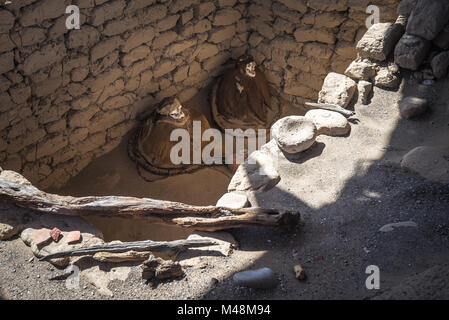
[208, 218]
[330, 107]
[167, 247]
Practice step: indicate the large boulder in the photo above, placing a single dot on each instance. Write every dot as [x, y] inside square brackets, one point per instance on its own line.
[440, 65]
[410, 107]
[337, 89]
[329, 122]
[379, 41]
[294, 134]
[428, 18]
[411, 51]
[429, 162]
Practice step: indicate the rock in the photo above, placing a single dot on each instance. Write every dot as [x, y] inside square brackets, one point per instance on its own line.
[258, 279]
[379, 41]
[388, 77]
[73, 237]
[15, 177]
[412, 106]
[233, 200]
[429, 162]
[225, 244]
[41, 236]
[90, 236]
[442, 40]
[12, 221]
[364, 88]
[440, 65]
[391, 226]
[329, 122]
[157, 268]
[121, 257]
[257, 173]
[337, 89]
[300, 274]
[428, 18]
[405, 7]
[361, 70]
[294, 134]
[55, 233]
[411, 51]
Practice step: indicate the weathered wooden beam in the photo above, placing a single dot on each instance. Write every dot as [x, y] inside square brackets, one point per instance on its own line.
[208, 218]
[167, 247]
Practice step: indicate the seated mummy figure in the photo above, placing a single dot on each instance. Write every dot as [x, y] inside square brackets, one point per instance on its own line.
[241, 98]
[150, 146]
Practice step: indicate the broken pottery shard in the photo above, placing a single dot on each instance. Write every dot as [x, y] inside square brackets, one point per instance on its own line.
[55, 233]
[411, 51]
[329, 122]
[300, 274]
[379, 41]
[337, 89]
[412, 106]
[391, 226]
[429, 162]
[233, 200]
[73, 237]
[257, 173]
[258, 279]
[440, 65]
[428, 18]
[365, 89]
[361, 70]
[294, 134]
[41, 236]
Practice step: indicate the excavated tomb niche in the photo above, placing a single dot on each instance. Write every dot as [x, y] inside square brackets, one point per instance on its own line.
[69, 98]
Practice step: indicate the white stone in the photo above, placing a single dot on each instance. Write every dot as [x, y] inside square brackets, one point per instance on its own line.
[337, 89]
[329, 122]
[233, 200]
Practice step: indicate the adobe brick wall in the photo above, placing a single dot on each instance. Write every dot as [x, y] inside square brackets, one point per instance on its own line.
[69, 96]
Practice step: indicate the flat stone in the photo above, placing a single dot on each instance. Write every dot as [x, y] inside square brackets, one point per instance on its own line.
[337, 89]
[440, 65]
[411, 51]
[410, 107]
[294, 134]
[41, 236]
[257, 173]
[263, 278]
[379, 41]
[428, 162]
[365, 88]
[428, 18]
[73, 237]
[233, 200]
[329, 123]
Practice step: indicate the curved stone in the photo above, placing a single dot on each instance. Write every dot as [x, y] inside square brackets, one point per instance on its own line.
[294, 134]
[329, 122]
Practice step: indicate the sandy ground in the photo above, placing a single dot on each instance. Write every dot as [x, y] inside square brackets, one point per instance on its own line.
[346, 189]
